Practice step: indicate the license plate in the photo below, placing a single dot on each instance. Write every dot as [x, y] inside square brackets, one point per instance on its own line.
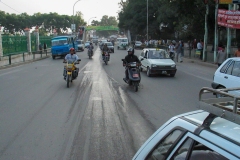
[135, 75]
[69, 73]
[164, 72]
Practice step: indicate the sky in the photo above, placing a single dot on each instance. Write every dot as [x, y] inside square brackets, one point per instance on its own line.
[89, 8]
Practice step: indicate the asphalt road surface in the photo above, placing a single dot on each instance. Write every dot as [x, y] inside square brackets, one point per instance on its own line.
[98, 117]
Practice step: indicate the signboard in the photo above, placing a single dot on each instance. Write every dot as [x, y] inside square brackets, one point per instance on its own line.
[102, 28]
[229, 19]
[236, 1]
[225, 1]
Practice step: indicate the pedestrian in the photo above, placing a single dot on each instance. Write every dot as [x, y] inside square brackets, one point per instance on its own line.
[221, 56]
[179, 51]
[45, 47]
[171, 51]
[194, 45]
[200, 48]
[237, 52]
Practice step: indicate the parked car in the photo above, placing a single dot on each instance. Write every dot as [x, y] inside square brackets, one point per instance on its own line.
[87, 44]
[157, 61]
[208, 133]
[138, 44]
[80, 45]
[110, 46]
[227, 75]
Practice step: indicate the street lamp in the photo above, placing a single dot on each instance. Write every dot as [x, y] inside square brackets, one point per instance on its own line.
[147, 21]
[91, 18]
[73, 9]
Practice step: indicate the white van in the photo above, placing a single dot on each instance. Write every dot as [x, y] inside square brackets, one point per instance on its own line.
[122, 43]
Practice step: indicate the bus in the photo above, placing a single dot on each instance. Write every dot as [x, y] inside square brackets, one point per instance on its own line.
[62, 44]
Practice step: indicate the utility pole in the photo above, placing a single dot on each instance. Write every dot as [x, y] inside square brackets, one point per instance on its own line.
[216, 31]
[229, 34]
[204, 58]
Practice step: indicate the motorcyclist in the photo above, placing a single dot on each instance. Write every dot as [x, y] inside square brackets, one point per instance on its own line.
[130, 58]
[70, 57]
[90, 48]
[105, 49]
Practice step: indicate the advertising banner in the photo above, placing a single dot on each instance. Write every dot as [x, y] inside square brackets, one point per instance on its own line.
[229, 19]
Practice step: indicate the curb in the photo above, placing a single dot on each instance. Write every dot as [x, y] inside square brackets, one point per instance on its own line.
[22, 63]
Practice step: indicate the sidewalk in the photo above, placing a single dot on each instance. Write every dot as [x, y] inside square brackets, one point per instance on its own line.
[21, 59]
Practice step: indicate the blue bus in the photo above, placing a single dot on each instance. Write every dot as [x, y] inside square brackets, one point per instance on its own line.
[62, 44]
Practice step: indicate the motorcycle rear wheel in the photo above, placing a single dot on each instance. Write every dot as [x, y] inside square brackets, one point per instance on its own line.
[68, 81]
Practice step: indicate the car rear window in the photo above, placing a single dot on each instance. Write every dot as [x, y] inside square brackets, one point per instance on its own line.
[223, 69]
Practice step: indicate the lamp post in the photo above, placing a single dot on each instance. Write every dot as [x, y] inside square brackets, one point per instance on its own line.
[147, 22]
[73, 11]
[88, 24]
[91, 18]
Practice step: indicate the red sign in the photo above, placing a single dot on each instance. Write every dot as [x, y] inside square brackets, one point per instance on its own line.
[229, 19]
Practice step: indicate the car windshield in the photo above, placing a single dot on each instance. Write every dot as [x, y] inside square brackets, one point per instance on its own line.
[160, 54]
[109, 44]
[123, 40]
[59, 42]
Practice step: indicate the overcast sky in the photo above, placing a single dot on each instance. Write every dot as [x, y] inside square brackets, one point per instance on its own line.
[89, 8]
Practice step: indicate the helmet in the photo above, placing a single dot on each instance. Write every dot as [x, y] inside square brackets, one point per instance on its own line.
[71, 49]
[130, 50]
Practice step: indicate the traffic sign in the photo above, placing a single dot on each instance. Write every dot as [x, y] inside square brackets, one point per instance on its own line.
[73, 27]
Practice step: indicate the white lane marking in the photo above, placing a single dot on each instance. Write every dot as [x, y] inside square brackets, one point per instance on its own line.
[9, 72]
[206, 79]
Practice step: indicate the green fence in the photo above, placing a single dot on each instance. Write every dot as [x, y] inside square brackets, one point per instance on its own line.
[14, 44]
[45, 39]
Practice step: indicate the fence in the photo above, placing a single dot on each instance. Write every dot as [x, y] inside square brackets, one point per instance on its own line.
[44, 39]
[13, 44]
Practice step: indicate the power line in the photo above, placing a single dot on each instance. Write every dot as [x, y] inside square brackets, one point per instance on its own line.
[9, 6]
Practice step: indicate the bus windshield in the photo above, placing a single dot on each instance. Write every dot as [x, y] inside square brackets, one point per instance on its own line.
[59, 42]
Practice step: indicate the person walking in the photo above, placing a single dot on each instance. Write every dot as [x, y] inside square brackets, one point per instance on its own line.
[221, 56]
[200, 48]
[45, 47]
[179, 52]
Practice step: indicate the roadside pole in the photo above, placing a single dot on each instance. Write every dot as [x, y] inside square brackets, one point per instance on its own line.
[216, 32]
[27, 34]
[229, 34]
[1, 49]
[204, 58]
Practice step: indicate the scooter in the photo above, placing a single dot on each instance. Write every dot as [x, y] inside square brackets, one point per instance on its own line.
[106, 57]
[134, 76]
[70, 71]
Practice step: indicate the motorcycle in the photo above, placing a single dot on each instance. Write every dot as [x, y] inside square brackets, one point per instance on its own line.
[106, 57]
[71, 71]
[134, 76]
[90, 53]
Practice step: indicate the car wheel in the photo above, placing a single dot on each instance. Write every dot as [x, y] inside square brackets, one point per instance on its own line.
[118, 48]
[219, 95]
[53, 57]
[148, 72]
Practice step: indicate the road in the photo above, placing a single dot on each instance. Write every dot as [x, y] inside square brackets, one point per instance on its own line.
[98, 117]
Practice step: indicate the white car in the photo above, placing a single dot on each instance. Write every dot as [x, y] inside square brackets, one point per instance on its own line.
[138, 44]
[210, 133]
[228, 75]
[80, 45]
[157, 61]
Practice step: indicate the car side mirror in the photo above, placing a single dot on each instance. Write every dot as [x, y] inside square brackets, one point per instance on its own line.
[145, 57]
